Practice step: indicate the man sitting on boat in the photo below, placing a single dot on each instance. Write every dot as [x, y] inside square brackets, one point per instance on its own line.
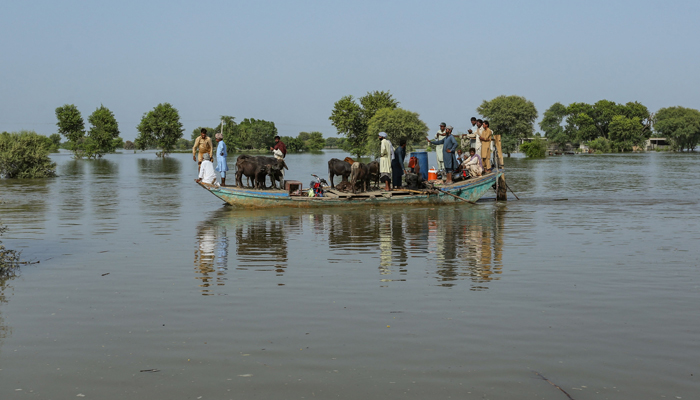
[206, 171]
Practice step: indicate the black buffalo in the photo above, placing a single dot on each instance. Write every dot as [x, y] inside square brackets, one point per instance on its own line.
[338, 167]
[257, 168]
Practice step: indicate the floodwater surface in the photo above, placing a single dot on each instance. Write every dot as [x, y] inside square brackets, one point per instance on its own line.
[148, 287]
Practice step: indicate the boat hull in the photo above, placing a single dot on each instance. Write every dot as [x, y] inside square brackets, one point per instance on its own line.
[469, 191]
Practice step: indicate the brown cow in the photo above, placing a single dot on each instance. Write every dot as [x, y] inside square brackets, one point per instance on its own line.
[359, 174]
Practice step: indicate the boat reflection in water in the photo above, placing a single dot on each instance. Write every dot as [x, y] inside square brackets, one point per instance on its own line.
[449, 243]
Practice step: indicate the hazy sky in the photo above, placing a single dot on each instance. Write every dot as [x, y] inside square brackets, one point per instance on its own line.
[289, 61]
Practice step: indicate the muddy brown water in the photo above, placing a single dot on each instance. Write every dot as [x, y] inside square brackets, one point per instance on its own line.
[148, 287]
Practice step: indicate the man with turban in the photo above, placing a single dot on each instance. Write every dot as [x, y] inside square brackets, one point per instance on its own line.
[221, 151]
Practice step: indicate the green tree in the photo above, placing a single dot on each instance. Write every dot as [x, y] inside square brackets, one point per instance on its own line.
[513, 117]
[293, 144]
[313, 141]
[600, 145]
[352, 119]
[102, 134]
[535, 149]
[56, 141]
[680, 125]
[399, 124]
[256, 133]
[25, 154]
[372, 102]
[160, 127]
[129, 145]
[625, 133]
[551, 124]
[71, 125]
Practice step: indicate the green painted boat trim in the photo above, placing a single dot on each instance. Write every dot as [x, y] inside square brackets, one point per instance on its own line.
[470, 190]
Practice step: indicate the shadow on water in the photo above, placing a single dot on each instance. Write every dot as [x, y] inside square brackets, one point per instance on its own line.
[160, 203]
[452, 244]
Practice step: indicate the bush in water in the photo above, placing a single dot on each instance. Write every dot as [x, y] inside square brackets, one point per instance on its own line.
[25, 154]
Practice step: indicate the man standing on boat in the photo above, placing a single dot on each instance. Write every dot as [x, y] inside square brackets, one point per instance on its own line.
[203, 143]
[386, 154]
[449, 148]
[438, 149]
[206, 171]
[279, 151]
[473, 137]
[486, 136]
[221, 151]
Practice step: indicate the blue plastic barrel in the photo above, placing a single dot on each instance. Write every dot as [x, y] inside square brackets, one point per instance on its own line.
[422, 157]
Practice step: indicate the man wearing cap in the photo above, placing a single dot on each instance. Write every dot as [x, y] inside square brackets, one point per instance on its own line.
[386, 154]
[449, 148]
[221, 151]
[203, 142]
[438, 149]
[206, 170]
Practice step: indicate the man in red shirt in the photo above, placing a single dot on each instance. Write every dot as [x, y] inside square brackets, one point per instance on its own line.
[280, 150]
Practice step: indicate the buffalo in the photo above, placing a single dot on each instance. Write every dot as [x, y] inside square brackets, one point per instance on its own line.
[338, 167]
[359, 175]
[256, 168]
[373, 172]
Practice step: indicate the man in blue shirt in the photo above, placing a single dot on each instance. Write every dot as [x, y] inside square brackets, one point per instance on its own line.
[221, 151]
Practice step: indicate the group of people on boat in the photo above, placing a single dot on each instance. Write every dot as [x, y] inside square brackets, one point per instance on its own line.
[479, 142]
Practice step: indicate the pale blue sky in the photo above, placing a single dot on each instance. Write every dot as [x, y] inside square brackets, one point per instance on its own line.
[288, 62]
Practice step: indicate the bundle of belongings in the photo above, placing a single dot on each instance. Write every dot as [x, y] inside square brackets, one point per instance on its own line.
[414, 179]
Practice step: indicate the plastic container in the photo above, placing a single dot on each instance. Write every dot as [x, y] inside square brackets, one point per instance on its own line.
[432, 174]
[422, 157]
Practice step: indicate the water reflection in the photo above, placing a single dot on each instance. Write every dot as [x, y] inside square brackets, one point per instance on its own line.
[451, 244]
[159, 201]
[72, 196]
[261, 243]
[211, 256]
[104, 193]
[23, 207]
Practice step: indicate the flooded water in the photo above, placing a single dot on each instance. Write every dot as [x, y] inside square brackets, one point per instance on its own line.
[148, 287]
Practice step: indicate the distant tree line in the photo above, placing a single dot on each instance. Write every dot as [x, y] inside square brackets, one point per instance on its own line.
[255, 134]
[607, 126]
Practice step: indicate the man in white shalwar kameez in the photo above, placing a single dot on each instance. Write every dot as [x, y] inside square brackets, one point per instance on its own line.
[386, 155]
[438, 148]
[206, 171]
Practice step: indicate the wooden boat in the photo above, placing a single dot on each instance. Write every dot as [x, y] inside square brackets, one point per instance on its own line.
[469, 191]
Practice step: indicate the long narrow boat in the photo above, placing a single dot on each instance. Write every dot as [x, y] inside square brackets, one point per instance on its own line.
[469, 190]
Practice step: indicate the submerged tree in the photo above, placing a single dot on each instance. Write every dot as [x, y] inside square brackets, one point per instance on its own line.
[25, 154]
[399, 124]
[101, 137]
[161, 128]
[680, 125]
[352, 119]
[71, 125]
[513, 117]
[551, 124]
